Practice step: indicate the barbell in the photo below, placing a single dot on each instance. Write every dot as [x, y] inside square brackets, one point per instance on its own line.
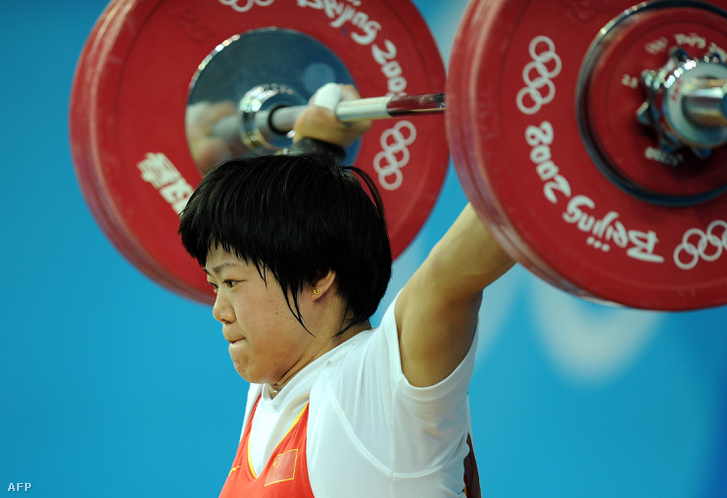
[589, 136]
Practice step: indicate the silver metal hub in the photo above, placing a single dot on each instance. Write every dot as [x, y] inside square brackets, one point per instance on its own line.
[686, 103]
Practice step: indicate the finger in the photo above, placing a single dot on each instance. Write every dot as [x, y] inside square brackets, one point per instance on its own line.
[328, 96]
[221, 109]
[319, 120]
[208, 151]
[349, 92]
[321, 124]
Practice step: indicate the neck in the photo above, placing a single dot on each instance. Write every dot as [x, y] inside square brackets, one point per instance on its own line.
[328, 345]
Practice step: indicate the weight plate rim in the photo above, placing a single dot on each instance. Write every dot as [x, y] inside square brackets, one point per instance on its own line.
[91, 181]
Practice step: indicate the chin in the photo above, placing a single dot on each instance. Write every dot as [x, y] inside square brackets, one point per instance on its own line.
[245, 374]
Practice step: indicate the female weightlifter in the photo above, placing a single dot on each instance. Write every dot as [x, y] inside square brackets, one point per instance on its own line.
[296, 249]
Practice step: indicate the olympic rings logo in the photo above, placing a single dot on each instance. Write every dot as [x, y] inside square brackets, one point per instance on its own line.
[543, 76]
[698, 249]
[395, 154]
[248, 5]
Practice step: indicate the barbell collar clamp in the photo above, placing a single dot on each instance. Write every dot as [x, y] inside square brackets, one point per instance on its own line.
[686, 103]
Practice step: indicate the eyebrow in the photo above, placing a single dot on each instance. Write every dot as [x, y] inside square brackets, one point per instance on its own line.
[219, 268]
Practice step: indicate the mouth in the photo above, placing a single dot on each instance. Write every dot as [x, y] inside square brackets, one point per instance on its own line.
[233, 340]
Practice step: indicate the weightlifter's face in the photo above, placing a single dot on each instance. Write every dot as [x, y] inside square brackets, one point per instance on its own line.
[266, 341]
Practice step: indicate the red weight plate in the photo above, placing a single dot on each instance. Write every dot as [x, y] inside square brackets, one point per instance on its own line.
[137, 85]
[532, 177]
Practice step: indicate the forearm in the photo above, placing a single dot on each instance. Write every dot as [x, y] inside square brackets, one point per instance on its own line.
[438, 308]
[467, 259]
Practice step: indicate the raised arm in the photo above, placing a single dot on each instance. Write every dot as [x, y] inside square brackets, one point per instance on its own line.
[437, 310]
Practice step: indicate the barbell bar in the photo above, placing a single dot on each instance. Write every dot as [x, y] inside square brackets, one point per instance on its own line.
[282, 119]
[701, 122]
[255, 128]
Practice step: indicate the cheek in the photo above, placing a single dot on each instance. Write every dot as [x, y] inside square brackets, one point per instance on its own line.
[274, 336]
[267, 342]
[255, 361]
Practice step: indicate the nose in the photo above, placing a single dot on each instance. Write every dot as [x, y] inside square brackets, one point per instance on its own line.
[222, 311]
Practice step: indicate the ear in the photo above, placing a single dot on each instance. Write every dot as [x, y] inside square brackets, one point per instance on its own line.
[323, 286]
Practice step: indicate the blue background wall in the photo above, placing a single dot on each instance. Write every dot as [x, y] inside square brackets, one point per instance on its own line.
[112, 386]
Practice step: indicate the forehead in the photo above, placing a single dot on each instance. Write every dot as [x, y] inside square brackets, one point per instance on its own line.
[218, 260]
